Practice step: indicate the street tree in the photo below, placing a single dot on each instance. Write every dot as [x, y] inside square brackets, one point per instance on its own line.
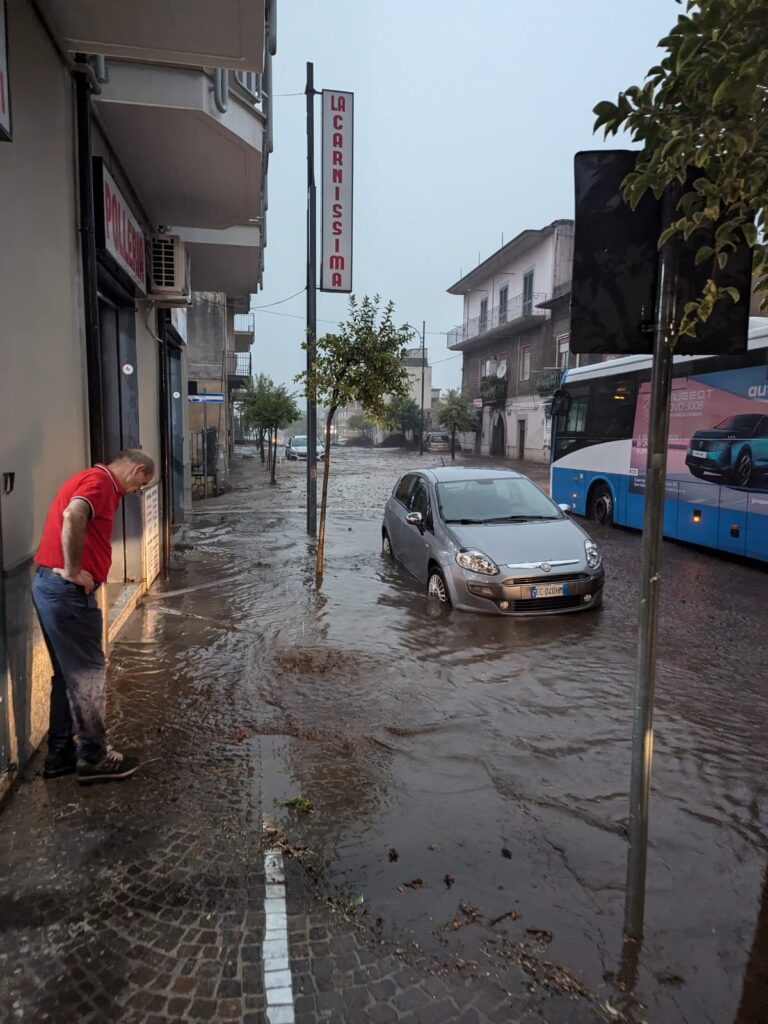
[365, 362]
[455, 414]
[704, 107]
[281, 409]
[253, 400]
[403, 414]
[359, 421]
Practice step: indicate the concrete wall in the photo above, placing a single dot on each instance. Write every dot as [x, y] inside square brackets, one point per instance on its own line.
[207, 331]
[43, 371]
[43, 412]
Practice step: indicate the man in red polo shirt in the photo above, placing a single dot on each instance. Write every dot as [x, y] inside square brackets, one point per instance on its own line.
[73, 559]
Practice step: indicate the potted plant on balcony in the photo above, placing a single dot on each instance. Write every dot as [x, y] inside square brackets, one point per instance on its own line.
[493, 390]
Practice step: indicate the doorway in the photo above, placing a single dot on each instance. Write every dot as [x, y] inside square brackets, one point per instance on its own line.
[498, 437]
[177, 436]
[120, 391]
[521, 439]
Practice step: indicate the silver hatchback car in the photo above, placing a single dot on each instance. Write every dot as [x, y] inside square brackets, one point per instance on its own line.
[490, 540]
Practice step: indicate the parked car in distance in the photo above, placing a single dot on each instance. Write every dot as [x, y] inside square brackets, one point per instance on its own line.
[297, 448]
[439, 442]
[490, 540]
[732, 451]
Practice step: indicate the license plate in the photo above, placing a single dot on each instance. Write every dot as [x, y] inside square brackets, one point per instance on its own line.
[550, 590]
[699, 455]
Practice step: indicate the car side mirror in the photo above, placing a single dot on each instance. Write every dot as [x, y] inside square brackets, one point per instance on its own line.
[566, 508]
[415, 519]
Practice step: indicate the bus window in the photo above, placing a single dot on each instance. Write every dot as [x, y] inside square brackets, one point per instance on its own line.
[612, 409]
[571, 420]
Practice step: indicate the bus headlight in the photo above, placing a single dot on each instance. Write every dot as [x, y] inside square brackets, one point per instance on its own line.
[476, 561]
[593, 554]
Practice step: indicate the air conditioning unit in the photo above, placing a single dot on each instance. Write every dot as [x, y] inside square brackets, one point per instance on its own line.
[169, 281]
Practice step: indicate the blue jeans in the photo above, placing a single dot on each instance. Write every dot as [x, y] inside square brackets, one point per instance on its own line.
[72, 627]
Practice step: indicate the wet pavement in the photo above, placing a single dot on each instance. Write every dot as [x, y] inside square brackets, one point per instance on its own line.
[455, 843]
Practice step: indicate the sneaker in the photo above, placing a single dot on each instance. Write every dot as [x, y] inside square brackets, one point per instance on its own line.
[112, 766]
[58, 763]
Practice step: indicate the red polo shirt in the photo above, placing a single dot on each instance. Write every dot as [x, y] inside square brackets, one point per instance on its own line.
[100, 488]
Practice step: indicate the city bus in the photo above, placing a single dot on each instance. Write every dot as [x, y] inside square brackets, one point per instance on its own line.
[717, 458]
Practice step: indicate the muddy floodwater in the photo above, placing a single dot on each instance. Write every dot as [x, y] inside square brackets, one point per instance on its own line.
[466, 777]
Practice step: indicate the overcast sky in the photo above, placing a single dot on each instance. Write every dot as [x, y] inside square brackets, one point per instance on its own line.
[467, 116]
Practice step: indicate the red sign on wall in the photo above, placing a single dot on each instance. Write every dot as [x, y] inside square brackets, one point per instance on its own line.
[117, 230]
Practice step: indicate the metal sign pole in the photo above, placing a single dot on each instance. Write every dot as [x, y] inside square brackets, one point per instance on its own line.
[311, 303]
[423, 360]
[650, 579]
[205, 446]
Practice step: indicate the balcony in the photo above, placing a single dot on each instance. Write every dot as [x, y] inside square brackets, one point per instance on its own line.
[206, 33]
[518, 314]
[238, 369]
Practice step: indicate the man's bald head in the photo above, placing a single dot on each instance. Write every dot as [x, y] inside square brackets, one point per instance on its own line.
[133, 468]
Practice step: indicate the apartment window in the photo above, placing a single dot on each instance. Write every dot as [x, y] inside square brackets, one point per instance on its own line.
[563, 351]
[525, 362]
[483, 315]
[503, 294]
[528, 293]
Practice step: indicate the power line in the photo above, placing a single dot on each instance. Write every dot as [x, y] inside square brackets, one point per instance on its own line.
[279, 301]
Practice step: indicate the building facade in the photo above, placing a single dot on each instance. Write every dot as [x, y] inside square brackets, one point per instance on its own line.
[514, 339]
[134, 170]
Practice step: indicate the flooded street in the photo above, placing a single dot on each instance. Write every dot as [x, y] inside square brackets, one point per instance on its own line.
[467, 775]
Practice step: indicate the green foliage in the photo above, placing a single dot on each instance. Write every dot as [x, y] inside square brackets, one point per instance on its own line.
[403, 414]
[493, 389]
[705, 106]
[456, 412]
[267, 406]
[364, 361]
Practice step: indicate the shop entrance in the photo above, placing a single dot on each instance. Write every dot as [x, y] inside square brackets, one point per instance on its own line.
[120, 391]
[498, 437]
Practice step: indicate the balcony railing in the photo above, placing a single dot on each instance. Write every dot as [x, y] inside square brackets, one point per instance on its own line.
[515, 311]
[238, 367]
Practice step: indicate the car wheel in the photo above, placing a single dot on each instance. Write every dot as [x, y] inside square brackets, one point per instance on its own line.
[386, 546]
[436, 586]
[742, 471]
[697, 471]
[601, 505]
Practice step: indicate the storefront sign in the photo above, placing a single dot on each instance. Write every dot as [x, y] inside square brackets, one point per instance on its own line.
[117, 230]
[336, 245]
[5, 87]
[152, 534]
[478, 403]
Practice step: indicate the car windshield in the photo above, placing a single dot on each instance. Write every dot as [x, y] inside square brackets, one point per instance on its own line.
[495, 499]
[439, 437]
[746, 421]
[299, 442]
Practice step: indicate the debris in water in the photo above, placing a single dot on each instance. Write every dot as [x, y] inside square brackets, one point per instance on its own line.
[449, 880]
[506, 853]
[393, 854]
[415, 883]
[240, 735]
[298, 803]
[511, 914]
[539, 933]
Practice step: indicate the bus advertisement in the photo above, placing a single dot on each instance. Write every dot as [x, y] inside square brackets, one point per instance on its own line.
[717, 456]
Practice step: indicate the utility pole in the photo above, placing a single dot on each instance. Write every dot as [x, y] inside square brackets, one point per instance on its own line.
[423, 370]
[650, 576]
[311, 302]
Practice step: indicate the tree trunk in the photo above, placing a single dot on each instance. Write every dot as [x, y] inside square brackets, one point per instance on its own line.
[320, 558]
[453, 444]
[261, 444]
[273, 447]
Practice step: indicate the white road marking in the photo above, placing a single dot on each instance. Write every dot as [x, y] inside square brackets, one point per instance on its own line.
[278, 985]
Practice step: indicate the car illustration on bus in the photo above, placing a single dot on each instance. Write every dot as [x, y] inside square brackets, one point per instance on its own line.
[733, 451]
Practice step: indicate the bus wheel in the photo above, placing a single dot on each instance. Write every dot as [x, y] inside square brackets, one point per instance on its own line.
[601, 505]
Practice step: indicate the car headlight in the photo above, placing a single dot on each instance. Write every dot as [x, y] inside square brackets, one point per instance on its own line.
[593, 554]
[476, 561]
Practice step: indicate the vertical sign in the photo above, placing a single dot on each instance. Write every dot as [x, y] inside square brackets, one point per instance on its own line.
[117, 230]
[152, 534]
[336, 247]
[5, 88]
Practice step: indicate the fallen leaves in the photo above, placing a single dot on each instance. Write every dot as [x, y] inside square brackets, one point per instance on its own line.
[298, 803]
